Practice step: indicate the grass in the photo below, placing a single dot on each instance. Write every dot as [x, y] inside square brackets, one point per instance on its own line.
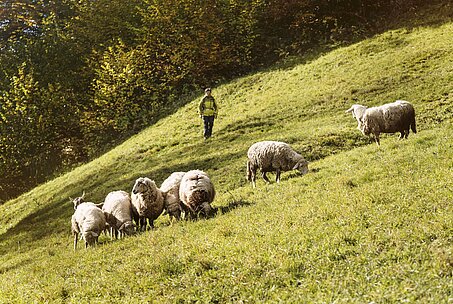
[365, 225]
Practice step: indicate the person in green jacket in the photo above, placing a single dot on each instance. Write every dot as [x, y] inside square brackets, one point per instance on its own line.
[208, 112]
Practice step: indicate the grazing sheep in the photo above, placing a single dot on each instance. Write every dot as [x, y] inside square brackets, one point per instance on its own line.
[398, 116]
[270, 156]
[197, 192]
[170, 190]
[118, 210]
[88, 220]
[147, 202]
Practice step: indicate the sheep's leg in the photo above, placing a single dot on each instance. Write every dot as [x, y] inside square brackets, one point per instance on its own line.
[143, 224]
[253, 177]
[376, 138]
[263, 174]
[76, 237]
[277, 175]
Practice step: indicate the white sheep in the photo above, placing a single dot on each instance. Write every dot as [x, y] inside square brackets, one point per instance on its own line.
[89, 221]
[147, 202]
[197, 192]
[270, 156]
[170, 190]
[118, 210]
[398, 116]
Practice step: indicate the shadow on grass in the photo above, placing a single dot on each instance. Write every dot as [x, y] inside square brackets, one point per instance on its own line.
[430, 14]
[231, 206]
[38, 225]
[216, 212]
[19, 264]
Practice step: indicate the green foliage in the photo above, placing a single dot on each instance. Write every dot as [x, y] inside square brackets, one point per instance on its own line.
[31, 143]
[110, 68]
[366, 224]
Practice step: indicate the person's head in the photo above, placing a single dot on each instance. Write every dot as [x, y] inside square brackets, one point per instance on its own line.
[207, 91]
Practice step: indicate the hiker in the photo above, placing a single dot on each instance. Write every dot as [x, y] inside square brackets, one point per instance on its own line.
[208, 112]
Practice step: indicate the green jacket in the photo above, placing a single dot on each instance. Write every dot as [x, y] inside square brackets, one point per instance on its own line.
[207, 106]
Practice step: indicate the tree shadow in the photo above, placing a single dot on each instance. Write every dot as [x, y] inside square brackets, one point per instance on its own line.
[39, 225]
[21, 263]
[426, 15]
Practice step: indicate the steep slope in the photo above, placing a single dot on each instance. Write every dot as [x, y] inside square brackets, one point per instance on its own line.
[366, 224]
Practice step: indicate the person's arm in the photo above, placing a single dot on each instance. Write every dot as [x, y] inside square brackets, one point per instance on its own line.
[201, 107]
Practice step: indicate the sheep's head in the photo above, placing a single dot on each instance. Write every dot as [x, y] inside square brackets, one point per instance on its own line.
[90, 238]
[301, 166]
[128, 228]
[78, 200]
[199, 203]
[143, 185]
[205, 210]
[357, 111]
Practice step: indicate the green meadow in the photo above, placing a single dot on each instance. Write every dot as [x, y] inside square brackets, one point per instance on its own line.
[367, 224]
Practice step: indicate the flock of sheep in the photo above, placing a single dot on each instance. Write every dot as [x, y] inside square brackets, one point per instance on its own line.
[122, 214]
[190, 194]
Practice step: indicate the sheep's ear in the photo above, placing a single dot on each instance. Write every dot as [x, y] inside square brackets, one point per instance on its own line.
[349, 110]
[108, 217]
[151, 183]
[83, 194]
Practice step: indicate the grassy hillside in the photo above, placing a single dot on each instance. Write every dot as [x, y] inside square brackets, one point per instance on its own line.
[365, 225]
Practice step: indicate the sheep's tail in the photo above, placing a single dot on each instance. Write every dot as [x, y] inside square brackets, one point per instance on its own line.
[249, 172]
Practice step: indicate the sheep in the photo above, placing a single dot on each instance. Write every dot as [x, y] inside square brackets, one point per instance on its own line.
[270, 156]
[89, 221]
[118, 209]
[197, 192]
[147, 202]
[170, 190]
[398, 116]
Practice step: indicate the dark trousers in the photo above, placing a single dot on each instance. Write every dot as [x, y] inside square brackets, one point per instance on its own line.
[208, 124]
